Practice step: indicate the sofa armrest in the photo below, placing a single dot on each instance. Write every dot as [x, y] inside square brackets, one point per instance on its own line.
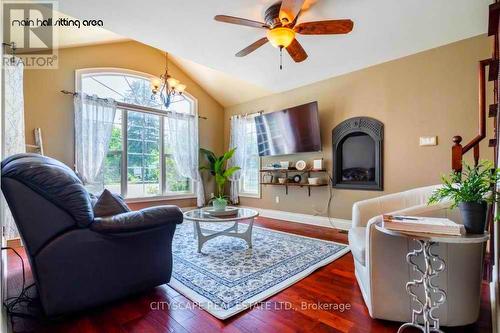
[143, 219]
[363, 211]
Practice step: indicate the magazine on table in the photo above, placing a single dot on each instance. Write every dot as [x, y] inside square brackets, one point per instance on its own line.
[420, 224]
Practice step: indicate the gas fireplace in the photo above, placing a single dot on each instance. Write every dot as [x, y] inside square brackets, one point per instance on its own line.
[357, 154]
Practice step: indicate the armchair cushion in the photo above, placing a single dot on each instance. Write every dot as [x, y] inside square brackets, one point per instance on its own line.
[143, 219]
[110, 204]
[357, 244]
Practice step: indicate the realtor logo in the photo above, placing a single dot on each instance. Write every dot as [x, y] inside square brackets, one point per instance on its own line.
[27, 26]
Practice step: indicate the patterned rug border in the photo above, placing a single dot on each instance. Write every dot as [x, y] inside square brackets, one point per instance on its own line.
[222, 314]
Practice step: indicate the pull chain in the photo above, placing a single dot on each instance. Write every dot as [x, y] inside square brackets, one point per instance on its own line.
[281, 58]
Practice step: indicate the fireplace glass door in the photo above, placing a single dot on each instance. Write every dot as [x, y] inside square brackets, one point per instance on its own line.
[358, 158]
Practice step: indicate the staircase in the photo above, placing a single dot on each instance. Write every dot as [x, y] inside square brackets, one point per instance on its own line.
[488, 69]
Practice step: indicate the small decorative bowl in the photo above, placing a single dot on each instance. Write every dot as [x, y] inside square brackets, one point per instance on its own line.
[313, 181]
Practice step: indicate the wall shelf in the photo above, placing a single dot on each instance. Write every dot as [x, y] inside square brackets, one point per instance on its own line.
[294, 184]
[291, 184]
[292, 170]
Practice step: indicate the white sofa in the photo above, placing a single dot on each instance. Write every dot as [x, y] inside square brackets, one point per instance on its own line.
[382, 271]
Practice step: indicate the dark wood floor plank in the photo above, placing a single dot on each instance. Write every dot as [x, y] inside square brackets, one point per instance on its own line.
[334, 283]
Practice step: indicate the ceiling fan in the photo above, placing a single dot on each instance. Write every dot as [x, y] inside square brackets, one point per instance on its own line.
[281, 25]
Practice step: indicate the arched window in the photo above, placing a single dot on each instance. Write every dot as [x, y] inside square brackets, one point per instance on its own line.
[139, 163]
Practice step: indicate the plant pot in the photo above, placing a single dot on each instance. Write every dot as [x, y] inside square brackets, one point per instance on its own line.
[219, 204]
[473, 216]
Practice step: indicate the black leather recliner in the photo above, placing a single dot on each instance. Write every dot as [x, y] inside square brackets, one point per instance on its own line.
[79, 261]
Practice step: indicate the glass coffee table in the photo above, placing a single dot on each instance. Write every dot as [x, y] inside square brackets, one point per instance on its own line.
[204, 234]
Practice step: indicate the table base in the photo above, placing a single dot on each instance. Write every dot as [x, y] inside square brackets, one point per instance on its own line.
[231, 232]
[427, 306]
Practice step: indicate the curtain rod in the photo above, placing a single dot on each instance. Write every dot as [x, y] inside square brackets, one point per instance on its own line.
[11, 45]
[131, 106]
[247, 114]
[13, 49]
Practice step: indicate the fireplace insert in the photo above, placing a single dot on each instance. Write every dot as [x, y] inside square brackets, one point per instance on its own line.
[357, 154]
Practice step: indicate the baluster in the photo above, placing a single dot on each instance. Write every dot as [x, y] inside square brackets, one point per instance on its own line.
[476, 155]
[456, 154]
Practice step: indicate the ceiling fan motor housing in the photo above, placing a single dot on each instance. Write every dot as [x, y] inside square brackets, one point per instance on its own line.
[281, 26]
[272, 16]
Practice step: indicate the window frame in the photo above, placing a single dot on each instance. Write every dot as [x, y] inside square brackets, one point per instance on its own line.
[125, 108]
[257, 195]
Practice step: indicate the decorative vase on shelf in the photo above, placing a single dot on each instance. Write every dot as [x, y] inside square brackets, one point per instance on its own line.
[473, 216]
[219, 204]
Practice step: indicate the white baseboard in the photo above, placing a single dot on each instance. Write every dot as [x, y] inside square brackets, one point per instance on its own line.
[321, 221]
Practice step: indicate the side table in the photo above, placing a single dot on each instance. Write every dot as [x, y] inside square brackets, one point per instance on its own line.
[433, 266]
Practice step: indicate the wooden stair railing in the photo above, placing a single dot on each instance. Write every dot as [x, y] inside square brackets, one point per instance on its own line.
[457, 150]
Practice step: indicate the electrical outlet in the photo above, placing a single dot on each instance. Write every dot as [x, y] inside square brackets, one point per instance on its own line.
[277, 199]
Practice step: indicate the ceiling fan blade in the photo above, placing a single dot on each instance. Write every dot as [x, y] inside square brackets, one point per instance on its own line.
[296, 51]
[289, 10]
[252, 47]
[331, 27]
[308, 4]
[239, 21]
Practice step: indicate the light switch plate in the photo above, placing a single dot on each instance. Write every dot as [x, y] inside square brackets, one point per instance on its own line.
[428, 140]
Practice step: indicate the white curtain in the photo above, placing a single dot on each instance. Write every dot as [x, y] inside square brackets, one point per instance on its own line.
[239, 140]
[93, 125]
[14, 139]
[183, 140]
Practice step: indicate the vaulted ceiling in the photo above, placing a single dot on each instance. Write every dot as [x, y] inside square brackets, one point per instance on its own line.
[384, 30]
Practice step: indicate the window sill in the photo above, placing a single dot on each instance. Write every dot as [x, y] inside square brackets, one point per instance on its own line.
[161, 198]
[250, 195]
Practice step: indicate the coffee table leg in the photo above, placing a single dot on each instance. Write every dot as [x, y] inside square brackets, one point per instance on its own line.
[231, 231]
[199, 235]
[247, 235]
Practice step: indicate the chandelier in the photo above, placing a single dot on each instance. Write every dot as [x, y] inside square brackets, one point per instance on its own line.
[166, 87]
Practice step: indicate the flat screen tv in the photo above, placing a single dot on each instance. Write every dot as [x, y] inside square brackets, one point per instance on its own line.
[289, 131]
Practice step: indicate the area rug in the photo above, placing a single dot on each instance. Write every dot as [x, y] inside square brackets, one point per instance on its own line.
[228, 277]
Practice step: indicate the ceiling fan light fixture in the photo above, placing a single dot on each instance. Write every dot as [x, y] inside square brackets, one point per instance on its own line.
[280, 37]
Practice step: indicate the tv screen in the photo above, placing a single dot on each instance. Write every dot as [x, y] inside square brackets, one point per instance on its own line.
[289, 131]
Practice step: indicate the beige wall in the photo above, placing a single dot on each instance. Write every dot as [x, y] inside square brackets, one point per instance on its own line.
[52, 111]
[426, 94]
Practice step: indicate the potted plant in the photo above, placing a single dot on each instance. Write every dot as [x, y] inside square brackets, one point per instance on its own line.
[471, 190]
[217, 167]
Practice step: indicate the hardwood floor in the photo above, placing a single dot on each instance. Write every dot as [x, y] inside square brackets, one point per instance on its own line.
[334, 283]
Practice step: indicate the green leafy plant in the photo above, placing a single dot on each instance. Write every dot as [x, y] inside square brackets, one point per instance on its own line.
[474, 184]
[217, 167]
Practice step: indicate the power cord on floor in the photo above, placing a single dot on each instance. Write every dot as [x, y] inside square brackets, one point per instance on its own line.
[13, 303]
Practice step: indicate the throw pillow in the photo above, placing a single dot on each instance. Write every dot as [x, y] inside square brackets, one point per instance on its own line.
[110, 204]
